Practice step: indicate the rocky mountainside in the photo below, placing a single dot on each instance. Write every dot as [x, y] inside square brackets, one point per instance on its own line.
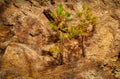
[31, 49]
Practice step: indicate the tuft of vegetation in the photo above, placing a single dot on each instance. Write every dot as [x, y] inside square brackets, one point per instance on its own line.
[56, 49]
[62, 17]
[86, 19]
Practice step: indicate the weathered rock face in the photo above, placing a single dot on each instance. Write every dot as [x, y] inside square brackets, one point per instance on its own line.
[27, 24]
[21, 60]
[77, 70]
[24, 22]
[103, 40]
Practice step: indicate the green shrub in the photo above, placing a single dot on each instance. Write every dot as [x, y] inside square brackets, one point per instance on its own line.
[59, 24]
[86, 18]
[60, 18]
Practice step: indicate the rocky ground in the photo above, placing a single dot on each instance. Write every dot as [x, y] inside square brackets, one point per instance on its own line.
[25, 38]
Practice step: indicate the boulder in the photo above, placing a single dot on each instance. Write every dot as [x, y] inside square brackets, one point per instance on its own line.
[20, 60]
